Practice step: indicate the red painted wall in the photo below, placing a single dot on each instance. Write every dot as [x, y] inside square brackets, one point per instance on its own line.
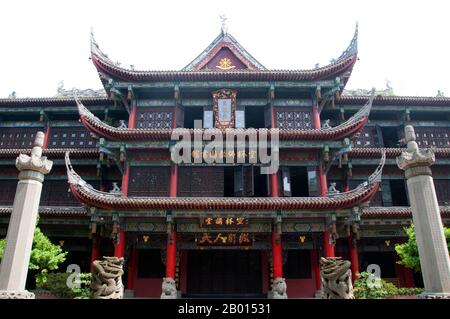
[304, 287]
[147, 287]
[225, 53]
[301, 288]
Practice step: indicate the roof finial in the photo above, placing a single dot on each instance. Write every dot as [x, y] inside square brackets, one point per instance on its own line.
[224, 24]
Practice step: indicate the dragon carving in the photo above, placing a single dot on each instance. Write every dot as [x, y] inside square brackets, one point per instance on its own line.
[107, 278]
[336, 278]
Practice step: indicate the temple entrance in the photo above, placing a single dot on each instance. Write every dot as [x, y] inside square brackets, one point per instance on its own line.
[224, 273]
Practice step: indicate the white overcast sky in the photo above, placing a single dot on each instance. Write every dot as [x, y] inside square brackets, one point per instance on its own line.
[44, 42]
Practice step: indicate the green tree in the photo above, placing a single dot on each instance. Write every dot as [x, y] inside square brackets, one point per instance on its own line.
[45, 255]
[409, 253]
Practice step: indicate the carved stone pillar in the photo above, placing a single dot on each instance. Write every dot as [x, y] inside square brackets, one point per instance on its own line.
[431, 243]
[19, 240]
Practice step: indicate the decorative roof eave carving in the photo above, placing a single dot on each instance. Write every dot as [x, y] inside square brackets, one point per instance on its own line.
[340, 67]
[92, 197]
[347, 129]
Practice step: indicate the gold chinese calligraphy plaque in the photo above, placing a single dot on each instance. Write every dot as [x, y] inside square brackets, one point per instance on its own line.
[224, 239]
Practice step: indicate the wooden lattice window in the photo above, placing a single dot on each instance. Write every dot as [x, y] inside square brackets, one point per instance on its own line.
[70, 137]
[7, 192]
[22, 137]
[156, 119]
[442, 187]
[293, 119]
[201, 181]
[367, 138]
[432, 136]
[56, 193]
[149, 181]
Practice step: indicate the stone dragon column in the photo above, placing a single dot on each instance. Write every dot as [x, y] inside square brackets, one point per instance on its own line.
[19, 239]
[431, 243]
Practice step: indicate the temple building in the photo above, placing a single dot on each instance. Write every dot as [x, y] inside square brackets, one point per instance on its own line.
[226, 228]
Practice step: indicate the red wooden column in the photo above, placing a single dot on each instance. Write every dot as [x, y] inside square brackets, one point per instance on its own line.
[328, 248]
[46, 137]
[316, 267]
[274, 188]
[173, 181]
[353, 253]
[171, 256]
[171, 253]
[277, 257]
[132, 117]
[95, 252]
[119, 248]
[316, 116]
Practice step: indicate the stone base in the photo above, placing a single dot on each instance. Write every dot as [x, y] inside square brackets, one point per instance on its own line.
[272, 295]
[431, 295]
[318, 294]
[11, 294]
[176, 295]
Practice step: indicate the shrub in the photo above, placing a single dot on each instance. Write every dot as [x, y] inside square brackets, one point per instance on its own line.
[367, 286]
[56, 284]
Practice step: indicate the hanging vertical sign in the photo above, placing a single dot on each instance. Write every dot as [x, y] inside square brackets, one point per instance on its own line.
[224, 108]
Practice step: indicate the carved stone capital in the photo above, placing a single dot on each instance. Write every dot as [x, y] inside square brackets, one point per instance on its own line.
[33, 163]
[13, 294]
[417, 171]
[417, 157]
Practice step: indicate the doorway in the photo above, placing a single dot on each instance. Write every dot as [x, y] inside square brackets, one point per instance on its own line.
[224, 274]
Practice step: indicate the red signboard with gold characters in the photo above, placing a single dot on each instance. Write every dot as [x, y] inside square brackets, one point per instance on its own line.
[224, 239]
[224, 108]
[224, 221]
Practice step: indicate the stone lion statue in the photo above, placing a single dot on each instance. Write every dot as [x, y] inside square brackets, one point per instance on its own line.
[107, 278]
[336, 278]
[279, 288]
[169, 288]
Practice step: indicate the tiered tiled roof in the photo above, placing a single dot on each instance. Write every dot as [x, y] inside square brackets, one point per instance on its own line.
[340, 67]
[54, 101]
[373, 152]
[347, 129]
[51, 211]
[92, 197]
[395, 211]
[396, 100]
[52, 152]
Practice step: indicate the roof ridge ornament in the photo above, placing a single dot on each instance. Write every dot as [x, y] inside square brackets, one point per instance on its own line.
[353, 46]
[224, 26]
